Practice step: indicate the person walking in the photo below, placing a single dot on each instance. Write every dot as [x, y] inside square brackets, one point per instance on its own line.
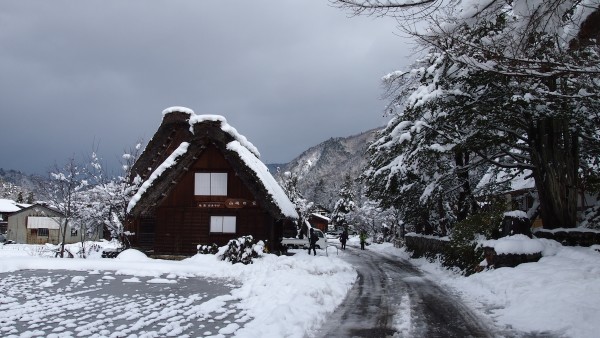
[363, 239]
[312, 241]
[344, 238]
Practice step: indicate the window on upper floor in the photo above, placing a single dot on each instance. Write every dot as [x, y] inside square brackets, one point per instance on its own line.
[210, 184]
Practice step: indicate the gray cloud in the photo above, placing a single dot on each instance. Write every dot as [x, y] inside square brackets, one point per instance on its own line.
[287, 74]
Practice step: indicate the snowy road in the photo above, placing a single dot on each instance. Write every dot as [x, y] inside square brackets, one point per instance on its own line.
[392, 298]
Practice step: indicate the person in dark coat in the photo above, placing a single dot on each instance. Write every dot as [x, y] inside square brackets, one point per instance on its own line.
[312, 240]
[344, 239]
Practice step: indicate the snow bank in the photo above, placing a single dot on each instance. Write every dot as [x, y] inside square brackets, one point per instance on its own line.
[517, 244]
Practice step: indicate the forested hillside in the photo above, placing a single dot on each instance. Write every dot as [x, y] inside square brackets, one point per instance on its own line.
[321, 169]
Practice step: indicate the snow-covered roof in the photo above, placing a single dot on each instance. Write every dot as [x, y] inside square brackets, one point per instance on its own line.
[204, 131]
[168, 163]
[260, 169]
[214, 118]
[38, 207]
[7, 205]
[321, 216]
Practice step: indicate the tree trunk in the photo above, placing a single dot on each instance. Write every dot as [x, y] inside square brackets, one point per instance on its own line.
[466, 202]
[555, 155]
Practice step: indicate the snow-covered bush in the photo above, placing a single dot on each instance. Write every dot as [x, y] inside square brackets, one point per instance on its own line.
[591, 218]
[241, 250]
[463, 251]
[208, 249]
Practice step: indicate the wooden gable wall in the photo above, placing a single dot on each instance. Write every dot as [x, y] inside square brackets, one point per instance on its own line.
[182, 220]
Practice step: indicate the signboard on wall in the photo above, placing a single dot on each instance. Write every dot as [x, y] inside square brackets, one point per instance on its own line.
[230, 203]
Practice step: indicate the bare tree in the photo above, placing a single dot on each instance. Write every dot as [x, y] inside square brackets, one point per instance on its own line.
[64, 188]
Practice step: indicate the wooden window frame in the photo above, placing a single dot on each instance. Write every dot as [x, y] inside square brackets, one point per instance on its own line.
[219, 222]
[211, 183]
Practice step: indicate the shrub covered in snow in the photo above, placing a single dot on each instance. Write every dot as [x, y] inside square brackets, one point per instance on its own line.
[241, 250]
[463, 251]
[208, 249]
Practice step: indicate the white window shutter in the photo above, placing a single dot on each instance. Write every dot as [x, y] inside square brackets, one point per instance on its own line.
[202, 184]
[216, 223]
[218, 184]
[229, 224]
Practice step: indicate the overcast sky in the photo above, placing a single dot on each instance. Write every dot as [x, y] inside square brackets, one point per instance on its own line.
[287, 74]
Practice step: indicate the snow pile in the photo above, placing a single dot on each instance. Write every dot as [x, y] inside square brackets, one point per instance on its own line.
[132, 255]
[273, 188]
[517, 244]
[168, 163]
[307, 289]
[556, 296]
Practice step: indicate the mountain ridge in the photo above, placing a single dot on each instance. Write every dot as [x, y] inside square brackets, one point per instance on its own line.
[321, 169]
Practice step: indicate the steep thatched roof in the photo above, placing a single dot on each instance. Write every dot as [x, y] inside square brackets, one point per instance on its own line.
[178, 143]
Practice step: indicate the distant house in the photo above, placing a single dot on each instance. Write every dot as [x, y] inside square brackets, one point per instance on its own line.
[521, 194]
[38, 224]
[7, 208]
[203, 183]
[319, 221]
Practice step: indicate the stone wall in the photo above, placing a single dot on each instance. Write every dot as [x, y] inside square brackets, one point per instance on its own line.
[570, 237]
[494, 260]
[425, 246]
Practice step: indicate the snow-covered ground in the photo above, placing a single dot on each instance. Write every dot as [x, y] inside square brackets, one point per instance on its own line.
[291, 296]
[274, 297]
[559, 294]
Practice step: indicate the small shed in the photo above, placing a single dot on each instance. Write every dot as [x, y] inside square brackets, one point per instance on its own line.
[203, 183]
[38, 224]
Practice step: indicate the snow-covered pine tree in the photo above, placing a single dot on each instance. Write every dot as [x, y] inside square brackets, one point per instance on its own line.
[345, 204]
[540, 94]
[303, 206]
[505, 87]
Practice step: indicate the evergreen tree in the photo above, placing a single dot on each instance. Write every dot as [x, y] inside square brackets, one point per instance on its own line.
[493, 91]
[345, 204]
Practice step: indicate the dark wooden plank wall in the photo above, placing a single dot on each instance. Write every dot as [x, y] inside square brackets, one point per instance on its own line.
[181, 225]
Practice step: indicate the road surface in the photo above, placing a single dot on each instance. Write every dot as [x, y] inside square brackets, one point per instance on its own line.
[393, 299]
